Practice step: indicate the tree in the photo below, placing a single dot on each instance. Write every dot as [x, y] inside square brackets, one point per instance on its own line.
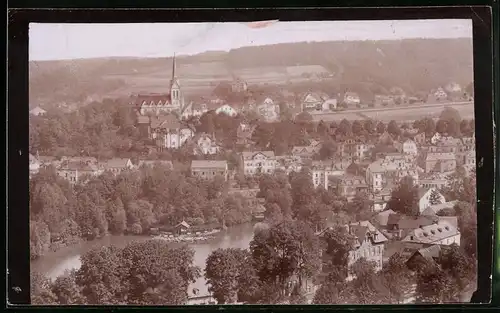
[465, 127]
[460, 267]
[223, 267]
[430, 127]
[39, 239]
[140, 212]
[158, 274]
[404, 198]
[442, 126]
[393, 128]
[337, 243]
[344, 128]
[369, 126]
[40, 290]
[67, 290]
[284, 250]
[303, 196]
[453, 128]
[434, 286]
[322, 128]
[328, 149]
[434, 197]
[397, 278]
[380, 127]
[357, 127]
[304, 117]
[333, 290]
[367, 287]
[450, 114]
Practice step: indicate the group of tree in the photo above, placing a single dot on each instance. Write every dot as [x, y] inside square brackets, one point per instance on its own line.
[142, 273]
[281, 258]
[131, 202]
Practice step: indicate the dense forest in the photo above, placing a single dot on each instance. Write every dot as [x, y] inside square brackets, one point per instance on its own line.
[416, 65]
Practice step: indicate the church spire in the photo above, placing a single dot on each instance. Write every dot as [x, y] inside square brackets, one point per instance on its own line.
[173, 69]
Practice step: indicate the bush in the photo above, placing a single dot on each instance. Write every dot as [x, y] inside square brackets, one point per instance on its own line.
[136, 229]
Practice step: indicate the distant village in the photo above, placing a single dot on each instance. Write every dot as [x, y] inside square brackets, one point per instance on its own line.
[357, 166]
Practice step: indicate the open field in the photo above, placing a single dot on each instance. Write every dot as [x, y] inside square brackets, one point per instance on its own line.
[397, 114]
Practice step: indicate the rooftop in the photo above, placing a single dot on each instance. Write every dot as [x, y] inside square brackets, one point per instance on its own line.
[117, 163]
[432, 233]
[208, 164]
[248, 155]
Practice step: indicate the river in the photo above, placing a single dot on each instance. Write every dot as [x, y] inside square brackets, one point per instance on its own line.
[56, 263]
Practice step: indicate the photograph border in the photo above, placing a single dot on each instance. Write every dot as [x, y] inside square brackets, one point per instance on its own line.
[18, 97]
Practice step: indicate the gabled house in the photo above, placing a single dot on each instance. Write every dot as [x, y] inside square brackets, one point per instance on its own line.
[434, 209]
[239, 85]
[38, 111]
[439, 234]
[323, 171]
[269, 110]
[437, 95]
[75, 170]
[313, 101]
[258, 162]
[399, 226]
[349, 185]
[209, 169]
[351, 98]
[117, 165]
[424, 198]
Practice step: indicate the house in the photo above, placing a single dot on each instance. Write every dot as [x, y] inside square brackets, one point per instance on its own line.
[434, 209]
[143, 123]
[435, 180]
[269, 110]
[469, 158]
[378, 172]
[182, 228]
[209, 169]
[34, 164]
[383, 100]
[289, 164]
[322, 171]
[330, 105]
[307, 151]
[354, 148]
[152, 163]
[440, 162]
[408, 172]
[249, 197]
[381, 198]
[168, 132]
[427, 253]
[424, 198]
[171, 102]
[38, 111]
[76, 170]
[258, 162]
[410, 147]
[226, 109]
[351, 99]
[313, 101]
[382, 218]
[349, 185]
[206, 146]
[399, 226]
[198, 109]
[368, 243]
[438, 96]
[437, 137]
[439, 234]
[117, 165]
[239, 85]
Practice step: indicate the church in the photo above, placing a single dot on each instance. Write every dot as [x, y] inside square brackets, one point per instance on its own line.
[156, 104]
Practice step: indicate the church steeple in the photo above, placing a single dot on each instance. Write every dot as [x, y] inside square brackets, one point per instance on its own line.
[173, 69]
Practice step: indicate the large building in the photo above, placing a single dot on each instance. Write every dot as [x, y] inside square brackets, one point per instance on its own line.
[209, 169]
[258, 162]
[171, 102]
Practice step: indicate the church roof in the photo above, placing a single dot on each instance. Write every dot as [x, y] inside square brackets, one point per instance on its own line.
[168, 121]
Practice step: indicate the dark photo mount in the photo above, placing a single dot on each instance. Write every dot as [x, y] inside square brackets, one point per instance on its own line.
[18, 243]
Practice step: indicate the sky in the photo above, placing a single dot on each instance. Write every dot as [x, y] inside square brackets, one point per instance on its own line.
[76, 41]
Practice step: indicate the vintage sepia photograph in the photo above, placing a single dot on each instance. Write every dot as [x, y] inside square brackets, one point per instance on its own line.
[266, 162]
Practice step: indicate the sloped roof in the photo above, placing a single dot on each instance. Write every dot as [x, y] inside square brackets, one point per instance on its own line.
[436, 208]
[37, 110]
[440, 156]
[117, 163]
[452, 220]
[208, 164]
[432, 233]
[78, 166]
[168, 121]
[184, 224]
[154, 162]
[359, 229]
[247, 155]
[383, 217]
[152, 97]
